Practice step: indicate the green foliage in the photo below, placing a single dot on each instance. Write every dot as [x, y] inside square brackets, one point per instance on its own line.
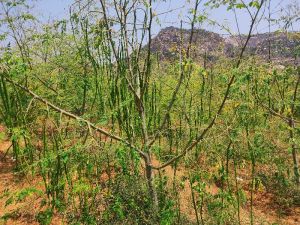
[22, 195]
[45, 217]
[106, 108]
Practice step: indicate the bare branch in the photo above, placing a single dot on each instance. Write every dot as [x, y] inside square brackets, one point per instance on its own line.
[210, 125]
[73, 116]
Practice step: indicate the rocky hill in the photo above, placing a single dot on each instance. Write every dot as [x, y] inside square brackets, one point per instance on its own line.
[211, 46]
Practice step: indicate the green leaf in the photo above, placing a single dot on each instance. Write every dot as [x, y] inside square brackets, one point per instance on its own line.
[201, 18]
[254, 4]
[45, 217]
[240, 6]
[27, 16]
[7, 216]
[9, 201]
[28, 192]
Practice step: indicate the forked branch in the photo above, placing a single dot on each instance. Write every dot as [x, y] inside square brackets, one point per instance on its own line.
[73, 116]
[190, 146]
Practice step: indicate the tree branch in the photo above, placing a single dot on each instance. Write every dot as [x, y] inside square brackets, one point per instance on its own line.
[210, 125]
[73, 116]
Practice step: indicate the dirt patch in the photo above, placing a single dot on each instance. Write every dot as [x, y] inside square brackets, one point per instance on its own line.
[24, 212]
[11, 183]
[264, 211]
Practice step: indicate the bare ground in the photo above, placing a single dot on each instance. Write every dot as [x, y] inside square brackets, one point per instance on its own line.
[24, 212]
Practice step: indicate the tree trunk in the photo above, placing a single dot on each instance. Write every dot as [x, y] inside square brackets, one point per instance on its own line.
[294, 151]
[150, 181]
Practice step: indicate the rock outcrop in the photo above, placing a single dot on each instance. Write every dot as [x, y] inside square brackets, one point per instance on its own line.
[211, 46]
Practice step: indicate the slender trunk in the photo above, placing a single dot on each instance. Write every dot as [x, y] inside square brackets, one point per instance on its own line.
[291, 133]
[252, 176]
[194, 201]
[237, 191]
[294, 151]
[269, 34]
[150, 181]
[210, 94]
[201, 209]
[227, 165]
[82, 111]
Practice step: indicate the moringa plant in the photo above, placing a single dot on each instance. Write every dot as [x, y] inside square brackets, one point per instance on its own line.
[107, 117]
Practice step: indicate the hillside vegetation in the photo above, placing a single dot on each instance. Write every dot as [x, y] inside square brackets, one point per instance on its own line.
[103, 123]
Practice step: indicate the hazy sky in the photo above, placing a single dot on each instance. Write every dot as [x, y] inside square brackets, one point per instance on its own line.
[58, 9]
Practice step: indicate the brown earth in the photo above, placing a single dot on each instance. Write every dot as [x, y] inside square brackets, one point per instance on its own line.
[264, 210]
[21, 212]
[24, 212]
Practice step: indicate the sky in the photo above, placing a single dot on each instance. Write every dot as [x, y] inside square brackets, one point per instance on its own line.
[47, 10]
